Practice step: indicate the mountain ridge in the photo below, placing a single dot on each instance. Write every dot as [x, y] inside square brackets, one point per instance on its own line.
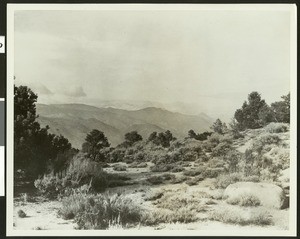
[74, 121]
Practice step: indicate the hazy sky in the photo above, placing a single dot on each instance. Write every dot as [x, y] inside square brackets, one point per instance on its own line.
[211, 59]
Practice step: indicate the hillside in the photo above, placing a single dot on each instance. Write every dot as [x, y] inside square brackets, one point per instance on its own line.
[198, 187]
[74, 121]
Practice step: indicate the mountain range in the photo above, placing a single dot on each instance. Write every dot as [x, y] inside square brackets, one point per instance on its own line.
[75, 121]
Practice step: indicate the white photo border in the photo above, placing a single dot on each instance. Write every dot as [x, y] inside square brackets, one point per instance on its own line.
[291, 8]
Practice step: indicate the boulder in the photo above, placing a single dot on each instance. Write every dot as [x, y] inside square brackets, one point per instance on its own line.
[270, 195]
[284, 178]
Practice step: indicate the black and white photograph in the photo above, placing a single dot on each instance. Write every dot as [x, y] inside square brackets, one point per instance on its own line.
[151, 119]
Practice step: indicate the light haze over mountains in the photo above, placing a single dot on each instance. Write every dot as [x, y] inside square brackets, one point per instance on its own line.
[74, 121]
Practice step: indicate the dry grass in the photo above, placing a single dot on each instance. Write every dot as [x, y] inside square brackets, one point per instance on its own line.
[182, 215]
[100, 211]
[234, 215]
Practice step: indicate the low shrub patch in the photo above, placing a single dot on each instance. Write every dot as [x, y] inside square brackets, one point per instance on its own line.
[49, 185]
[101, 211]
[116, 180]
[183, 215]
[179, 179]
[192, 172]
[194, 181]
[161, 168]
[224, 180]
[212, 172]
[155, 180]
[177, 169]
[119, 167]
[246, 200]
[234, 216]
[154, 196]
[138, 165]
[276, 127]
[72, 205]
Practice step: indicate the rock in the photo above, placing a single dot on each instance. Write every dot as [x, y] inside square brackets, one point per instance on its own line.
[285, 175]
[21, 213]
[270, 195]
[284, 179]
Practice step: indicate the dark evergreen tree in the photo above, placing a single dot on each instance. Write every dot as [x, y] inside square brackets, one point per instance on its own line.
[94, 142]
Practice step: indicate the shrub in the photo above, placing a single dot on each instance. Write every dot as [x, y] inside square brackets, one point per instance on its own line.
[177, 168]
[266, 139]
[119, 167]
[101, 211]
[168, 176]
[116, 180]
[140, 156]
[251, 178]
[72, 205]
[155, 180]
[117, 155]
[179, 179]
[83, 171]
[49, 185]
[161, 168]
[192, 172]
[212, 172]
[224, 180]
[221, 149]
[152, 196]
[138, 165]
[276, 128]
[235, 216]
[183, 215]
[194, 181]
[189, 156]
[80, 172]
[246, 200]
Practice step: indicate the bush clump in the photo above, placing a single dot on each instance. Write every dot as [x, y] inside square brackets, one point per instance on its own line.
[212, 172]
[192, 172]
[161, 168]
[119, 167]
[194, 181]
[224, 180]
[276, 128]
[182, 215]
[245, 200]
[49, 185]
[101, 211]
[155, 180]
[81, 171]
[234, 216]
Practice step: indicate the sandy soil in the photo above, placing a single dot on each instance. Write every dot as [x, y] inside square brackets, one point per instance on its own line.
[41, 215]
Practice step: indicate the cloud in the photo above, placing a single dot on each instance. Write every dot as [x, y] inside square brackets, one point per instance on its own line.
[39, 88]
[44, 90]
[76, 91]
